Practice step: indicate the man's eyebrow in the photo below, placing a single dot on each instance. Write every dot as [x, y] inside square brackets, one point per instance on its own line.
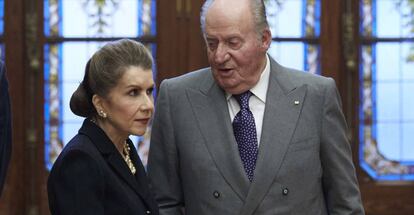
[210, 38]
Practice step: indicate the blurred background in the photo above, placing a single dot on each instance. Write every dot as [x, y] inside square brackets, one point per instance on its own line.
[367, 46]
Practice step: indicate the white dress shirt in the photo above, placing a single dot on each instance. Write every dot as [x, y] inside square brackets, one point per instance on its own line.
[257, 101]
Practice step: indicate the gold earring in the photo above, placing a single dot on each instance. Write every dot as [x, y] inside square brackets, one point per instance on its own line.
[102, 114]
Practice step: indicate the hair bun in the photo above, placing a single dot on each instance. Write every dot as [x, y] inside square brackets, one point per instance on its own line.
[81, 103]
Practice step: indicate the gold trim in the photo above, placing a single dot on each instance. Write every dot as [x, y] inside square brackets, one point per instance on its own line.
[178, 7]
[188, 8]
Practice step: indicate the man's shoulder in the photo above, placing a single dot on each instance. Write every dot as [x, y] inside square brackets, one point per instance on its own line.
[192, 76]
[291, 78]
[299, 77]
[295, 76]
[192, 79]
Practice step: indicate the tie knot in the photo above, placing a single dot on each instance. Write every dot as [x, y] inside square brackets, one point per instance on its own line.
[243, 99]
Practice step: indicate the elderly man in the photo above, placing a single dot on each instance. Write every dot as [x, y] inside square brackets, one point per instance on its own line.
[248, 136]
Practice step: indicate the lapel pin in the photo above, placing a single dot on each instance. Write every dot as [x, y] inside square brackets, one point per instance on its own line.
[296, 102]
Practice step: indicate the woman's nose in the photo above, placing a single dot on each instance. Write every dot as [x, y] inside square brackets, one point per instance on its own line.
[148, 104]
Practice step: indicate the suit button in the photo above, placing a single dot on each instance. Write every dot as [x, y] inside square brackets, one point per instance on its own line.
[216, 194]
[148, 212]
[285, 191]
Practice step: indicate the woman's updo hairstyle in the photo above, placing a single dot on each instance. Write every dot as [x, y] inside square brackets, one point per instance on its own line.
[105, 69]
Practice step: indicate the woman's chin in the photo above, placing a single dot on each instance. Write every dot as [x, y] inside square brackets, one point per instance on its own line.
[139, 132]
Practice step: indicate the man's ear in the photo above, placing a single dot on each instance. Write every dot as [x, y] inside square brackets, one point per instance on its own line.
[266, 38]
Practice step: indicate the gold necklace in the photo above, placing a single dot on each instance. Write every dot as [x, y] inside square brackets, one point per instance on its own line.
[127, 158]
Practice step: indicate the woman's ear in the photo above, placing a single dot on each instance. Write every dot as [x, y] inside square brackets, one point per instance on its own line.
[97, 102]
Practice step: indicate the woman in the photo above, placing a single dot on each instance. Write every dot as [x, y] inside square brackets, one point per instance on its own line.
[99, 171]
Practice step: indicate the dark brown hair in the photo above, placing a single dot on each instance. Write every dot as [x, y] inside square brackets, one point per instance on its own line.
[105, 69]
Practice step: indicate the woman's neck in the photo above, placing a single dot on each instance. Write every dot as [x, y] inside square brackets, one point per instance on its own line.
[114, 135]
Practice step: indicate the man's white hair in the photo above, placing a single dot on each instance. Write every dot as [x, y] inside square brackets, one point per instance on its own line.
[257, 8]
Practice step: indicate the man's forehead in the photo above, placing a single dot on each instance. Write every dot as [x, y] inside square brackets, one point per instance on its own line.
[227, 3]
[228, 8]
[219, 18]
[222, 35]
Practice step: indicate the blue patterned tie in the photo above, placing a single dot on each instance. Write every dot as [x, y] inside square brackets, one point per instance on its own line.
[244, 129]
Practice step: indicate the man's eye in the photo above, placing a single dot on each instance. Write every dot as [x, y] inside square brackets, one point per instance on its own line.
[234, 44]
[212, 45]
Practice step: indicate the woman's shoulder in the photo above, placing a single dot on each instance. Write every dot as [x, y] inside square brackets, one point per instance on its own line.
[79, 144]
[77, 161]
[79, 148]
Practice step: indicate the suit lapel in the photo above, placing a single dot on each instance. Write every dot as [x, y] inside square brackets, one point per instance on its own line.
[211, 111]
[283, 105]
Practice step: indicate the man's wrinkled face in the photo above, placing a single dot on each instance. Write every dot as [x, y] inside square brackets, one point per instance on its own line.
[236, 52]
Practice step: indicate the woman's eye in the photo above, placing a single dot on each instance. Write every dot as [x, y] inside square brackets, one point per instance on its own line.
[133, 92]
[149, 91]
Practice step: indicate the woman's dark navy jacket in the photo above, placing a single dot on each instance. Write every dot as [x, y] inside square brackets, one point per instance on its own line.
[91, 177]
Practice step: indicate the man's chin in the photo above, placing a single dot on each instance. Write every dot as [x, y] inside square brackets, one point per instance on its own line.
[234, 89]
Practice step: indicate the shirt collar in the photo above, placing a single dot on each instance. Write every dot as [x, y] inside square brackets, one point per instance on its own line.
[260, 89]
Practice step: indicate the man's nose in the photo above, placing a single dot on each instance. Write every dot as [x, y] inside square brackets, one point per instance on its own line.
[221, 54]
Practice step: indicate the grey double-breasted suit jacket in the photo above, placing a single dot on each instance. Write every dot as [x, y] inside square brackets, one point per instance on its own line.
[304, 164]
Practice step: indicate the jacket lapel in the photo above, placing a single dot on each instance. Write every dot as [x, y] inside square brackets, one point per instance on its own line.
[119, 166]
[283, 106]
[141, 178]
[211, 111]
[111, 155]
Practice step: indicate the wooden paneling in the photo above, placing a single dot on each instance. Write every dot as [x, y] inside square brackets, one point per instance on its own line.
[12, 199]
[331, 55]
[179, 40]
[388, 198]
[197, 53]
[24, 192]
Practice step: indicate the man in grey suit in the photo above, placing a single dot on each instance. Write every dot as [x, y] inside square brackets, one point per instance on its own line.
[248, 136]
